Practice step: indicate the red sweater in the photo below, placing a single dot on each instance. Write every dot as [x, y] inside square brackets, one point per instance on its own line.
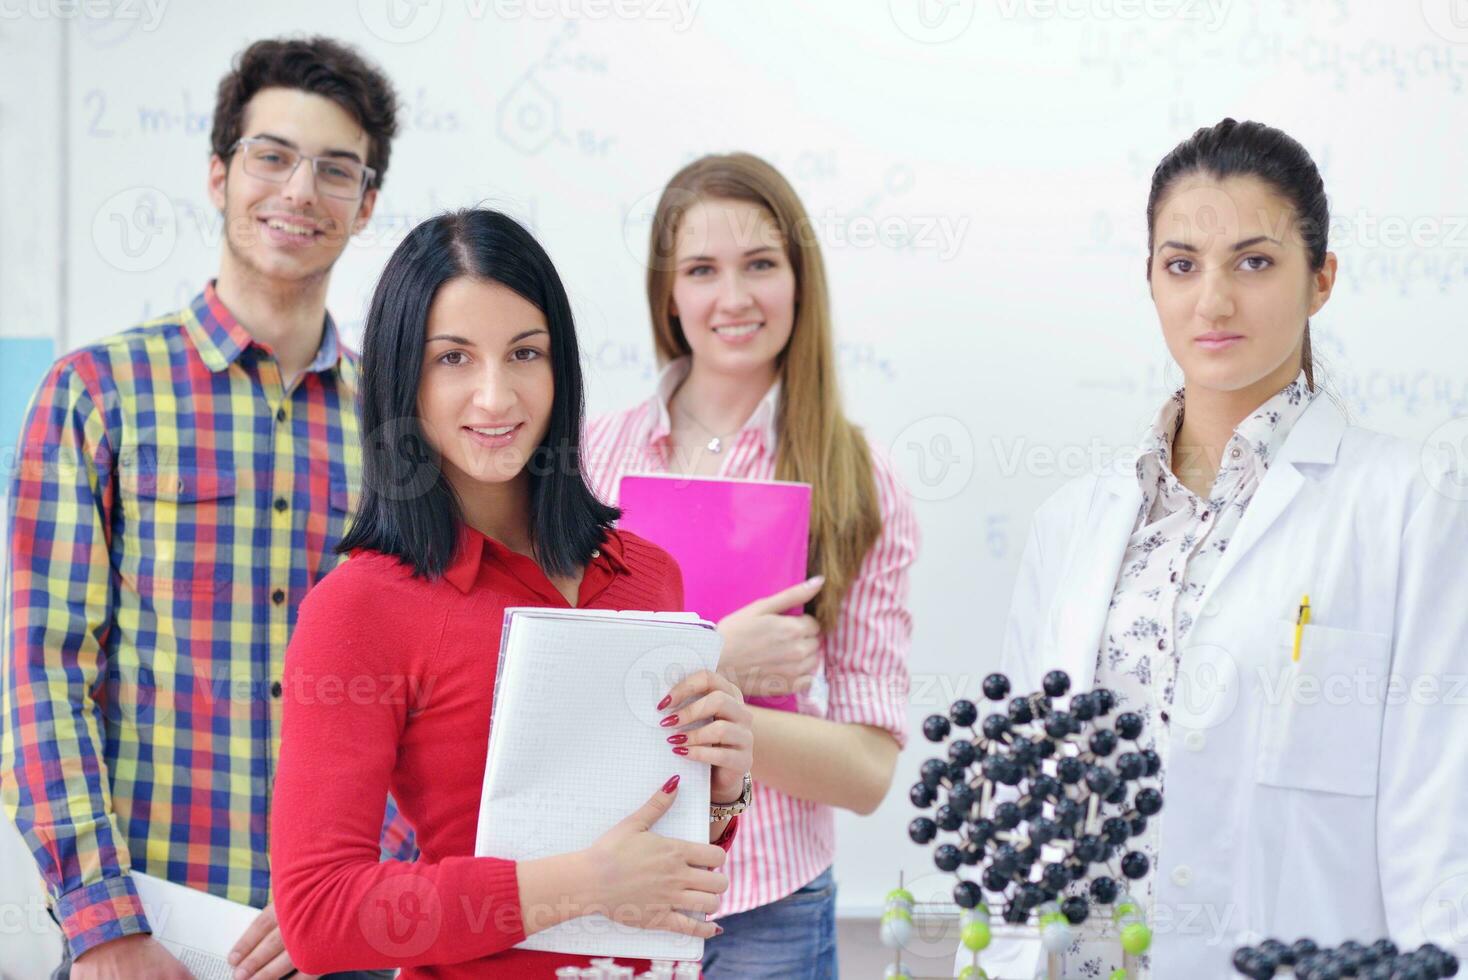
[388, 685]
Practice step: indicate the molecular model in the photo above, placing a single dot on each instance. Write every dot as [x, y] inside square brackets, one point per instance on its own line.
[607, 968]
[1041, 801]
[1379, 961]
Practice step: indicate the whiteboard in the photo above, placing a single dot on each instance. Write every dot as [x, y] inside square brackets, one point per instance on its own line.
[977, 173]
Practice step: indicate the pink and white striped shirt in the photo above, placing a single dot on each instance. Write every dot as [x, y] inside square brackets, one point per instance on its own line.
[783, 842]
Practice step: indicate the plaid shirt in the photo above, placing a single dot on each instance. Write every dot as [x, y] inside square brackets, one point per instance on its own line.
[172, 504]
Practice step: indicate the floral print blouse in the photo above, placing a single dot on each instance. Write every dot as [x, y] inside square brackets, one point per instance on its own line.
[1176, 544]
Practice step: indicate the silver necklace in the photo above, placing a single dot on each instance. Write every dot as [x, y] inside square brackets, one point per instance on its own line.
[716, 441]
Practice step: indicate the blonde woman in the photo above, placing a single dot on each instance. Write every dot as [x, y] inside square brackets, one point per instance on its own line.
[742, 325]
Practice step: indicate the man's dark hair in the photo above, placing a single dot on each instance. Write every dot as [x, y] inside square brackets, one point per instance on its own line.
[317, 65]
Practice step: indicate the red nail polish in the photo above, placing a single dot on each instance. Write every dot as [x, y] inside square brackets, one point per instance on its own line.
[667, 700]
[678, 739]
[718, 930]
[680, 750]
[669, 721]
[671, 784]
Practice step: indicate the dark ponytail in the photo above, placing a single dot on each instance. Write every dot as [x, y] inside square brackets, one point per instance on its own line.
[1251, 149]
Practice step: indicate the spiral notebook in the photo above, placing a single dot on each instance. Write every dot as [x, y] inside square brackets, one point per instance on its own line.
[575, 746]
[735, 540]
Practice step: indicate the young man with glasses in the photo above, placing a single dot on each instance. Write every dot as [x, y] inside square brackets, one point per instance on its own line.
[179, 489]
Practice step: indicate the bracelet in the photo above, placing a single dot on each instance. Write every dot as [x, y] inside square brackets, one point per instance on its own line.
[722, 811]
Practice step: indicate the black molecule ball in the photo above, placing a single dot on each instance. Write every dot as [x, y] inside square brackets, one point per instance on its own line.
[981, 831]
[1134, 865]
[1131, 765]
[922, 830]
[996, 687]
[1148, 801]
[922, 795]
[1076, 909]
[1060, 724]
[948, 817]
[963, 712]
[1020, 711]
[996, 726]
[936, 728]
[1129, 724]
[1100, 779]
[1083, 706]
[1115, 830]
[1104, 890]
[966, 894]
[1056, 683]
[962, 797]
[947, 857]
[1007, 815]
[1103, 742]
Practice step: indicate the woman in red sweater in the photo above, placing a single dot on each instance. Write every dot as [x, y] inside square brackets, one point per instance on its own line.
[474, 501]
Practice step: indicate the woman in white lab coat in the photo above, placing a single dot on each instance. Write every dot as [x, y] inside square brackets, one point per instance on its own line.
[1324, 796]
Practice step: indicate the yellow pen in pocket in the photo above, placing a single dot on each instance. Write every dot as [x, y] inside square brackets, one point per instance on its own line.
[1301, 619]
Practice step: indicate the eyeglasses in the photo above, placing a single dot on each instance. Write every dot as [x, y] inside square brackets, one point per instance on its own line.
[335, 176]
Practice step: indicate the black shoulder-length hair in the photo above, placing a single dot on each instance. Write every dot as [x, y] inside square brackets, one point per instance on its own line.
[409, 509]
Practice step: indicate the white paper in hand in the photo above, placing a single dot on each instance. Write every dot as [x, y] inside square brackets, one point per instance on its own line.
[575, 746]
[198, 928]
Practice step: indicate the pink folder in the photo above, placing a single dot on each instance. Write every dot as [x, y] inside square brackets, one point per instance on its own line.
[736, 540]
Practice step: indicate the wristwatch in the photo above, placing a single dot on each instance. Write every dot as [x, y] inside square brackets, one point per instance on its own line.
[723, 811]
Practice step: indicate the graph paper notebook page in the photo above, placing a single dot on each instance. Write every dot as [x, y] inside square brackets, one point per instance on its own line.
[735, 540]
[199, 929]
[575, 746]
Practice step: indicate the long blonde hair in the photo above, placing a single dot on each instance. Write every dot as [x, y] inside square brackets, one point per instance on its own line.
[817, 444]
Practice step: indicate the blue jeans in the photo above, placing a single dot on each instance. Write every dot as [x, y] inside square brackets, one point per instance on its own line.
[792, 939]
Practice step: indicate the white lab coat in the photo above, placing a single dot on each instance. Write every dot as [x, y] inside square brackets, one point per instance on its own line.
[1334, 812]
